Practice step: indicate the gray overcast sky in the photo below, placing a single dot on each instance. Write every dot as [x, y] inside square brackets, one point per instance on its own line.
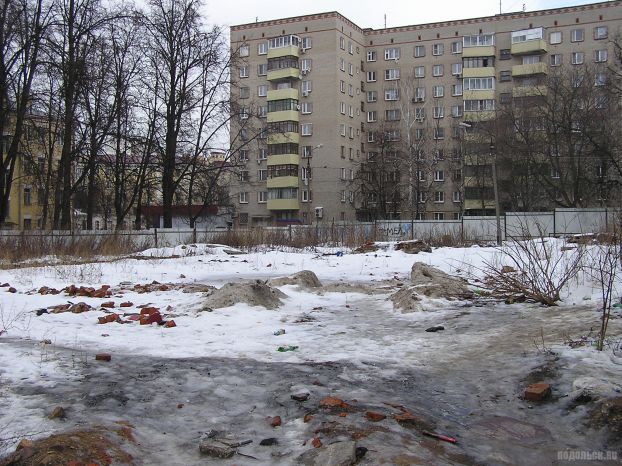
[370, 13]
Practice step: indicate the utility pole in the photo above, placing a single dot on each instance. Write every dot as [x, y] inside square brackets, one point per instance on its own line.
[493, 156]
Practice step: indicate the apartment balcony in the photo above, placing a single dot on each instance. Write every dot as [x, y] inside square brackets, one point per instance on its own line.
[483, 72]
[483, 51]
[529, 91]
[283, 204]
[283, 182]
[479, 116]
[530, 47]
[283, 159]
[288, 51]
[477, 182]
[476, 204]
[282, 138]
[281, 94]
[529, 70]
[283, 74]
[488, 94]
[284, 115]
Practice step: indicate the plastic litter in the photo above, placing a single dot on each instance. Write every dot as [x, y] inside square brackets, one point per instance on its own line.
[283, 349]
[280, 331]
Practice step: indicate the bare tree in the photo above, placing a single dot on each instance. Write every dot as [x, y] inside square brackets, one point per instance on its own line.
[23, 25]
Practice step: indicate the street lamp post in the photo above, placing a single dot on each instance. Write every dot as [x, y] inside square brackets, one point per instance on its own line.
[309, 155]
[495, 187]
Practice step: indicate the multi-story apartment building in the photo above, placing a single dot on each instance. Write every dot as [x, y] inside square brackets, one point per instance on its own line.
[362, 123]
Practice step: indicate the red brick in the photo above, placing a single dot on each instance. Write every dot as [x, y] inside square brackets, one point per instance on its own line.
[147, 319]
[537, 392]
[149, 310]
[276, 421]
[308, 418]
[316, 442]
[103, 357]
[375, 417]
[343, 414]
[170, 324]
[332, 402]
[107, 304]
[126, 304]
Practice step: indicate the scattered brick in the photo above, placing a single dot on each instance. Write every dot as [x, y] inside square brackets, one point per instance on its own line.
[107, 304]
[180, 405]
[537, 392]
[149, 310]
[333, 402]
[12, 290]
[126, 304]
[276, 421]
[148, 319]
[79, 308]
[103, 357]
[58, 413]
[343, 414]
[308, 418]
[375, 417]
[316, 442]
[170, 324]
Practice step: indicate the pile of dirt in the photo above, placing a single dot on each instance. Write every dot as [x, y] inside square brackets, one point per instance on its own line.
[432, 283]
[253, 293]
[608, 415]
[305, 280]
[99, 445]
[413, 247]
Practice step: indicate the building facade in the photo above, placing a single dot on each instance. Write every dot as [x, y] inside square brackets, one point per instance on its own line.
[358, 124]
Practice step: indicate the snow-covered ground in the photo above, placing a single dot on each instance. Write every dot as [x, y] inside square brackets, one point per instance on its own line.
[356, 330]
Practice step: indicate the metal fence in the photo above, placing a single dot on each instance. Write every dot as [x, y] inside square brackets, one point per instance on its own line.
[515, 225]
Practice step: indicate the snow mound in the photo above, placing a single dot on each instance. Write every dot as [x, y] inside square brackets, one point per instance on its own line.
[254, 293]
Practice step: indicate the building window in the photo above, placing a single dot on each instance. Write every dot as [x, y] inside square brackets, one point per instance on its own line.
[372, 116]
[27, 195]
[505, 54]
[371, 55]
[342, 129]
[391, 94]
[262, 90]
[505, 75]
[600, 56]
[555, 59]
[342, 64]
[243, 218]
[439, 216]
[306, 87]
[439, 197]
[419, 94]
[439, 175]
[391, 74]
[306, 108]
[306, 129]
[262, 48]
[456, 89]
[342, 43]
[244, 71]
[505, 98]
[419, 114]
[262, 154]
[342, 86]
[555, 37]
[371, 76]
[392, 53]
[439, 133]
[456, 47]
[372, 96]
[456, 111]
[342, 108]
[244, 113]
[478, 84]
[456, 69]
[245, 51]
[243, 197]
[262, 197]
[600, 79]
[419, 71]
[350, 90]
[555, 173]
[244, 155]
[306, 195]
[438, 91]
[350, 69]
[577, 35]
[479, 105]
[305, 65]
[392, 114]
[350, 48]
[437, 70]
[531, 59]
[526, 35]
[578, 58]
[244, 93]
[419, 51]
[262, 175]
[307, 43]
[439, 112]
[601, 32]
[481, 40]
[392, 135]
[438, 49]
[350, 132]
[455, 197]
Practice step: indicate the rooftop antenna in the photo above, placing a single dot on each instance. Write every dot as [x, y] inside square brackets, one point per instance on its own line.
[385, 20]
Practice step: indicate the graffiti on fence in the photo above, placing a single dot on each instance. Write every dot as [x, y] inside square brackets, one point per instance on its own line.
[395, 232]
